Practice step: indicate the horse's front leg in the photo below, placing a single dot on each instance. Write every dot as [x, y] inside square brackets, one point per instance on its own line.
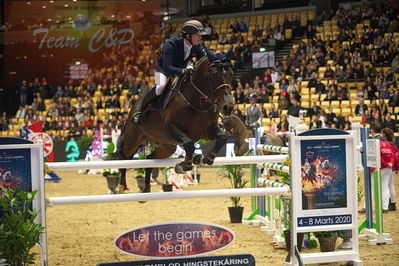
[220, 141]
[187, 164]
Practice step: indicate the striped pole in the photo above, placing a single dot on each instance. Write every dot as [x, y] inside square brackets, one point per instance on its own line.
[271, 148]
[270, 183]
[276, 166]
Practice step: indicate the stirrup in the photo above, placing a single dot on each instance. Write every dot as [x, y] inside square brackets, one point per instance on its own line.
[137, 118]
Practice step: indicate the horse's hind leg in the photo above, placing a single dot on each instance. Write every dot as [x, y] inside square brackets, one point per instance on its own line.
[161, 152]
[221, 140]
[127, 144]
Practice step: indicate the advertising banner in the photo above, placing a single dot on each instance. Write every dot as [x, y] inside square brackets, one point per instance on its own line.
[169, 240]
[231, 260]
[324, 180]
[323, 174]
[75, 36]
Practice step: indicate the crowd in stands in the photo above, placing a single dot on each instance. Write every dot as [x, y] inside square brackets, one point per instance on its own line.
[347, 56]
[357, 60]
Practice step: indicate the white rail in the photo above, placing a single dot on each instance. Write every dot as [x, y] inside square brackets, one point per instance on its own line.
[168, 195]
[161, 162]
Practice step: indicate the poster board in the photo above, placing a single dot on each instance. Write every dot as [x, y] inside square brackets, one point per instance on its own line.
[324, 188]
[21, 164]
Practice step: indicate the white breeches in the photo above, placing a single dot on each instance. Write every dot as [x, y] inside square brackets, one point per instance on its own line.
[160, 80]
[386, 175]
[392, 193]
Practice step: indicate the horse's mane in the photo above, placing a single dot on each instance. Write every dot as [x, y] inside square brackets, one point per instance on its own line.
[200, 64]
[239, 125]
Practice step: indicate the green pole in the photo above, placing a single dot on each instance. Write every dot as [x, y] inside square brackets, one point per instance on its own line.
[253, 185]
[378, 202]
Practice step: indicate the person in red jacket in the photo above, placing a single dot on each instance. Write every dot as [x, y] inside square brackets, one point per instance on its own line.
[387, 162]
[389, 134]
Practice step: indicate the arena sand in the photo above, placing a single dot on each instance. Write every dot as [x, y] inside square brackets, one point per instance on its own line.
[84, 234]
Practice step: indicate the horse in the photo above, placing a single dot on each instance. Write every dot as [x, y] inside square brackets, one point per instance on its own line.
[190, 115]
[233, 124]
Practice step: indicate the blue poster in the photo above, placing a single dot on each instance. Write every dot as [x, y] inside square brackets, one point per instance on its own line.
[15, 169]
[323, 174]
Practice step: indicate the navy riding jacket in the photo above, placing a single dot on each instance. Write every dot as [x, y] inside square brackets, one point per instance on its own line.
[171, 61]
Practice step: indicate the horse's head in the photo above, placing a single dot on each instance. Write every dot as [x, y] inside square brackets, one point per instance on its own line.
[215, 76]
[228, 123]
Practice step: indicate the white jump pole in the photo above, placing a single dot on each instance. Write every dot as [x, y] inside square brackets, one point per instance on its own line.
[167, 196]
[161, 162]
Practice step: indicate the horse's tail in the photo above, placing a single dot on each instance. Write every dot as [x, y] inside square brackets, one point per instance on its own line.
[118, 155]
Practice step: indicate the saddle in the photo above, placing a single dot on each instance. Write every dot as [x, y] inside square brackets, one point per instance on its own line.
[171, 88]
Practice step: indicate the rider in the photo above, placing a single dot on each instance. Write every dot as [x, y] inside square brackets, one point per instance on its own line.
[174, 61]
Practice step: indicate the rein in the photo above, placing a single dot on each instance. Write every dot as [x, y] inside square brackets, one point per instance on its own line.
[205, 97]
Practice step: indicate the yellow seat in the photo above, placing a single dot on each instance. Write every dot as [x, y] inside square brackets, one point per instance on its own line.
[325, 104]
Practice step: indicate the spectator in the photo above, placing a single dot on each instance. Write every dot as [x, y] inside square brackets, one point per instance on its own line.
[339, 73]
[366, 117]
[238, 95]
[243, 27]
[320, 87]
[294, 108]
[273, 112]
[395, 64]
[4, 122]
[223, 38]
[23, 93]
[283, 125]
[394, 99]
[329, 73]
[257, 32]
[387, 163]
[389, 123]
[315, 122]
[315, 109]
[360, 108]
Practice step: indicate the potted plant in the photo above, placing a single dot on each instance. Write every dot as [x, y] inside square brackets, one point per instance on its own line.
[166, 187]
[327, 240]
[111, 174]
[18, 231]
[235, 174]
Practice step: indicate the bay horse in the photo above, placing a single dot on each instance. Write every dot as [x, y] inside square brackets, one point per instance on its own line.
[191, 114]
[233, 124]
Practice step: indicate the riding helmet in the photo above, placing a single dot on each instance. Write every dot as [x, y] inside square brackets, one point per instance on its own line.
[193, 27]
[252, 96]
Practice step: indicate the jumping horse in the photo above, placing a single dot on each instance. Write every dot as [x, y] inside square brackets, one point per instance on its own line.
[234, 125]
[190, 115]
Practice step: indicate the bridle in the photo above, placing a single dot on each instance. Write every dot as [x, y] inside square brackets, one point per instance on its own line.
[204, 99]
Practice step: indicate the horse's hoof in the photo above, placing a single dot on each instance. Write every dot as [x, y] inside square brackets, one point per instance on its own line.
[187, 167]
[146, 188]
[208, 160]
[179, 168]
[120, 189]
[197, 160]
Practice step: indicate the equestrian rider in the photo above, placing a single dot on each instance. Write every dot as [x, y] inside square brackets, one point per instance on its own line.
[254, 113]
[174, 60]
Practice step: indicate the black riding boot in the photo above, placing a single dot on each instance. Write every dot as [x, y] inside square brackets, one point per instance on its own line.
[138, 113]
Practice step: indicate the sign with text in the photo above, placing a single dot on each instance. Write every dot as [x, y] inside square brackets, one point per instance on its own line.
[76, 37]
[323, 180]
[169, 240]
[373, 153]
[231, 260]
[323, 164]
[263, 60]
